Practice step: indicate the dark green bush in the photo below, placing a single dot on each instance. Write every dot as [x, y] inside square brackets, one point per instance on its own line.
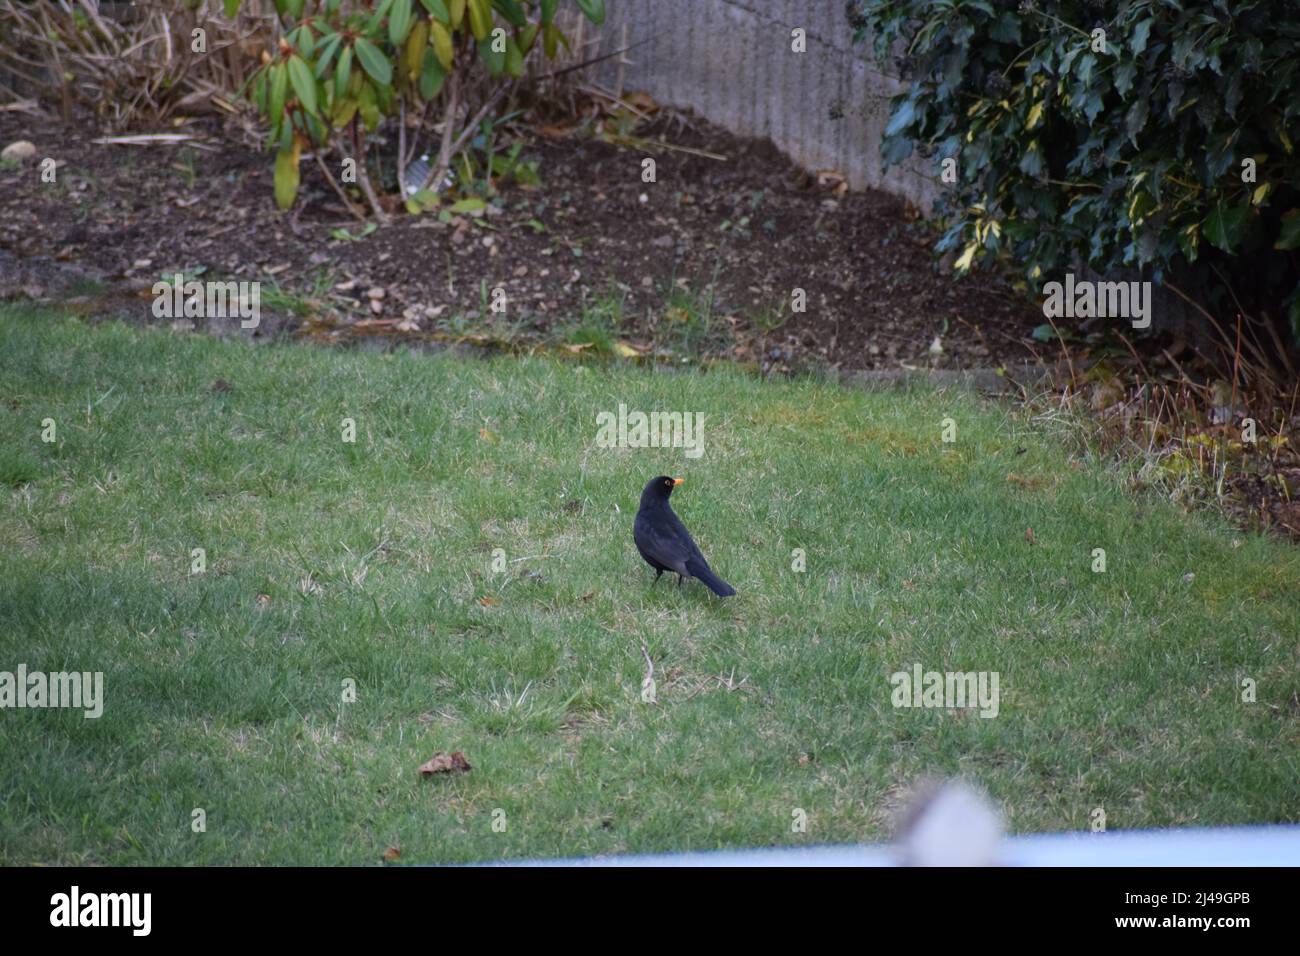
[1127, 157]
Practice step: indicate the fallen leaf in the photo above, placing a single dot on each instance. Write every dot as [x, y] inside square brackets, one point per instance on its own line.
[577, 347]
[488, 435]
[1029, 535]
[445, 763]
[263, 601]
[551, 131]
[642, 101]
[623, 350]
[392, 854]
[489, 601]
[830, 178]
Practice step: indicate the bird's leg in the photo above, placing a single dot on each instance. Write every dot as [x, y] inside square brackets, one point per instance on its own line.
[658, 575]
[679, 580]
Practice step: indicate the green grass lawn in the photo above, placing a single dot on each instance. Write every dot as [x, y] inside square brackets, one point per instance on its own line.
[373, 562]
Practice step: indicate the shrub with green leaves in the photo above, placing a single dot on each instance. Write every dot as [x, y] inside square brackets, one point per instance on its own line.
[1156, 135]
[342, 66]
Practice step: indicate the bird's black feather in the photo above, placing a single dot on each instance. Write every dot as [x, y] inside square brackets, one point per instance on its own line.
[664, 542]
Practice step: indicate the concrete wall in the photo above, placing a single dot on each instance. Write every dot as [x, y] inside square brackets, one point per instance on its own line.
[731, 62]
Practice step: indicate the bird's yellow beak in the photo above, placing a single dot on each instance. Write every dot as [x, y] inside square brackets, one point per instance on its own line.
[678, 481]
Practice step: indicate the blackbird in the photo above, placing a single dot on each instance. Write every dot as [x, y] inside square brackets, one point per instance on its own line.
[664, 541]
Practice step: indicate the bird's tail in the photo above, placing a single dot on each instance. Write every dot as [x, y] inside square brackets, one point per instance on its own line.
[715, 584]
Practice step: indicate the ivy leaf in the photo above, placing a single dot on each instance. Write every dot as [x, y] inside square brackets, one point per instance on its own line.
[1136, 118]
[902, 118]
[1289, 236]
[1226, 225]
[1124, 74]
[1006, 29]
[1141, 33]
[1031, 163]
[967, 257]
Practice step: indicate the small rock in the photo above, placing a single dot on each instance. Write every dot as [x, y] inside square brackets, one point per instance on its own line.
[376, 293]
[18, 152]
[1189, 577]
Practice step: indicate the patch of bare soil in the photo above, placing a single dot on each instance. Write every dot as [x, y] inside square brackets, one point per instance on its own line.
[705, 260]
